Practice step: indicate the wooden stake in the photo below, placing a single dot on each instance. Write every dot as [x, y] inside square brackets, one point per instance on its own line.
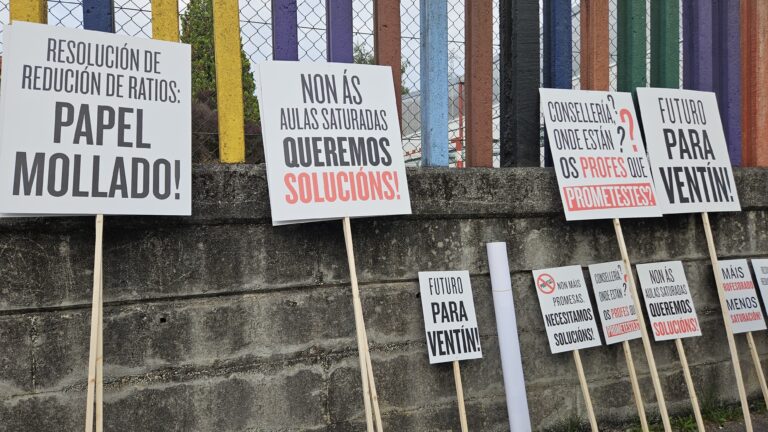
[758, 366]
[362, 342]
[689, 383]
[100, 360]
[460, 396]
[727, 321]
[643, 330]
[372, 385]
[95, 325]
[635, 386]
[585, 391]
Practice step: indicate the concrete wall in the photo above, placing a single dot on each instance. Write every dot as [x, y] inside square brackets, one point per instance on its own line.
[220, 322]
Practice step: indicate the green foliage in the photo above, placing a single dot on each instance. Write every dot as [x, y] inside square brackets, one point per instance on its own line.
[197, 30]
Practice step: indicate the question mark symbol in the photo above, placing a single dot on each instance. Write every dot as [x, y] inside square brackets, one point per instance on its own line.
[613, 103]
[623, 134]
[625, 114]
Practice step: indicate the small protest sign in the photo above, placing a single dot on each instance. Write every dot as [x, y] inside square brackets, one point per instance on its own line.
[668, 300]
[761, 274]
[598, 154]
[741, 297]
[688, 152]
[331, 141]
[567, 311]
[449, 316]
[614, 302]
[94, 123]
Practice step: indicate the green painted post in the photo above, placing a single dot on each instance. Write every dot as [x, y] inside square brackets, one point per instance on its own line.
[665, 43]
[631, 45]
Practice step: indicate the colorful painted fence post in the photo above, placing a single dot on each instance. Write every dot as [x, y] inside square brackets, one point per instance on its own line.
[165, 20]
[434, 82]
[594, 58]
[558, 45]
[339, 30]
[754, 74]
[99, 15]
[712, 60]
[229, 81]
[519, 83]
[478, 31]
[631, 45]
[29, 10]
[285, 33]
[386, 43]
[665, 43]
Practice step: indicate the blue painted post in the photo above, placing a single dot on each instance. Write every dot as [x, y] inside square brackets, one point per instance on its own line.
[99, 15]
[558, 66]
[434, 82]
[339, 30]
[285, 34]
[712, 61]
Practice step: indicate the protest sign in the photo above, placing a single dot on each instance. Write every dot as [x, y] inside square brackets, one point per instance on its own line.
[761, 274]
[614, 302]
[741, 297]
[331, 141]
[668, 300]
[94, 123]
[688, 152]
[449, 316]
[567, 311]
[598, 154]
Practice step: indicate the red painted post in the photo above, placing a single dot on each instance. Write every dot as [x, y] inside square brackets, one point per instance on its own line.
[754, 74]
[478, 35]
[386, 42]
[595, 69]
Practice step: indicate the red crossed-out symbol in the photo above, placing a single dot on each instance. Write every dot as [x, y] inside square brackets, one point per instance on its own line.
[545, 283]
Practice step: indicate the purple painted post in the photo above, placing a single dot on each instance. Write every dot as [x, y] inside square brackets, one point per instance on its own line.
[339, 30]
[712, 60]
[285, 39]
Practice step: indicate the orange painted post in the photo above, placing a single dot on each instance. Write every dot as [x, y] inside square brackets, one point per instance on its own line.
[386, 42]
[478, 33]
[754, 74]
[595, 69]
[29, 10]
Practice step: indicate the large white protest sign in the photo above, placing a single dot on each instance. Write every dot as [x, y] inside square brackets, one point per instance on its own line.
[761, 274]
[331, 141]
[688, 152]
[567, 311]
[94, 123]
[668, 300]
[614, 302]
[598, 154]
[449, 316]
[741, 296]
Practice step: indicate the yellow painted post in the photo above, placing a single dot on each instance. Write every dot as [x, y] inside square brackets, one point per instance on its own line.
[165, 20]
[229, 80]
[29, 10]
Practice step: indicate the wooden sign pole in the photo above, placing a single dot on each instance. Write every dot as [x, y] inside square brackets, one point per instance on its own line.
[366, 372]
[643, 330]
[727, 321]
[372, 385]
[758, 366]
[460, 396]
[94, 389]
[635, 386]
[689, 384]
[585, 391]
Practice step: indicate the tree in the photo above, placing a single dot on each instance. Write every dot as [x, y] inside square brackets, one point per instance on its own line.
[197, 30]
[361, 55]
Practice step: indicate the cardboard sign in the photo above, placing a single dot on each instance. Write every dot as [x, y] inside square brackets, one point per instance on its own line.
[331, 141]
[688, 152]
[741, 297]
[598, 154]
[668, 300]
[94, 123]
[761, 274]
[614, 302]
[449, 316]
[567, 311]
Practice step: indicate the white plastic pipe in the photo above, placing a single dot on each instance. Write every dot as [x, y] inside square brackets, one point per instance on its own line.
[509, 344]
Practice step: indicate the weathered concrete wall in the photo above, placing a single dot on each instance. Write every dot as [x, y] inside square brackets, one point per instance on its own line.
[220, 322]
